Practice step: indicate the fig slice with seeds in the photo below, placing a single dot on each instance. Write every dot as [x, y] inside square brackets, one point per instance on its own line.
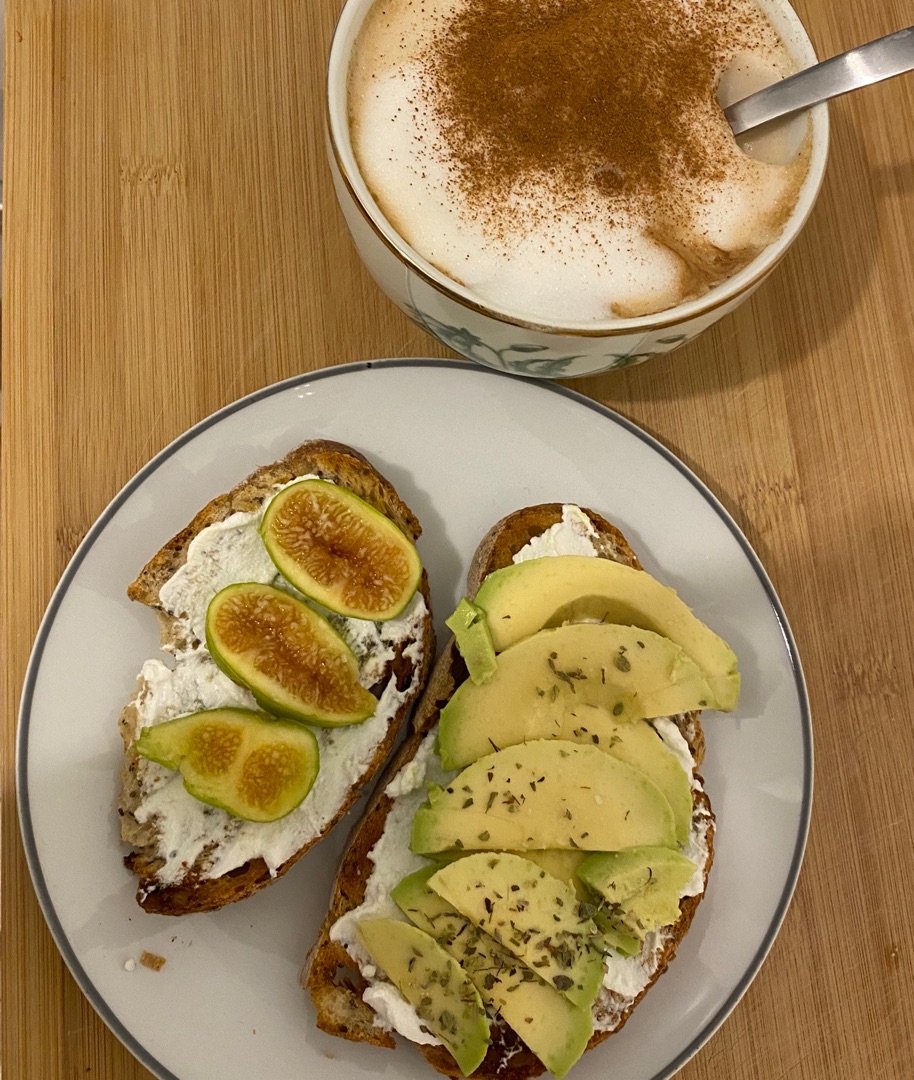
[253, 766]
[340, 551]
[290, 657]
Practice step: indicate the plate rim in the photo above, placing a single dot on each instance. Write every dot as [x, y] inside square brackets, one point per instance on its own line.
[33, 667]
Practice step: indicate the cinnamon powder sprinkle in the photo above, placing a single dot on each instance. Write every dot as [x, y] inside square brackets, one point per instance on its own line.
[593, 95]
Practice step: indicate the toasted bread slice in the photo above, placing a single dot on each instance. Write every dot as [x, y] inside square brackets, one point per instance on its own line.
[332, 976]
[215, 874]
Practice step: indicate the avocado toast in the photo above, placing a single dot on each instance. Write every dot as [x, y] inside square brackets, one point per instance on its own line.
[491, 823]
[191, 853]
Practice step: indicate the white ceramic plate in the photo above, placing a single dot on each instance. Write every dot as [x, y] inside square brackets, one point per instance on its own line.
[463, 446]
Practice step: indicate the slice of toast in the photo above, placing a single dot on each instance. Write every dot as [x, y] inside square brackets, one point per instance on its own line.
[332, 976]
[225, 864]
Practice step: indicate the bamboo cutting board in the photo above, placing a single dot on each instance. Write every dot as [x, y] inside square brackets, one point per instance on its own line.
[171, 243]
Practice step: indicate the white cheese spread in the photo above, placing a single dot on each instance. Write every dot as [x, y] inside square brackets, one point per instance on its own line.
[674, 741]
[392, 860]
[627, 976]
[222, 554]
[395, 1013]
[391, 857]
[218, 556]
[573, 535]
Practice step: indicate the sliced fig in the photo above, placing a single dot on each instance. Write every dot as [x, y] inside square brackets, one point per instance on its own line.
[337, 549]
[252, 765]
[290, 657]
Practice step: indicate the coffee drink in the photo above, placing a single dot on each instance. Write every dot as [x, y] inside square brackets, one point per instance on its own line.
[568, 160]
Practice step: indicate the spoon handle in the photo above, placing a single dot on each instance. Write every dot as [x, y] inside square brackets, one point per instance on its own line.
[870, 63]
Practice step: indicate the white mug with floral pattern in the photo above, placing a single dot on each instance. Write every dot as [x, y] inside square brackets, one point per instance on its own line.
[453, 315]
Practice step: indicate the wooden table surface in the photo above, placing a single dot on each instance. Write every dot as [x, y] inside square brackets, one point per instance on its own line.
[171, 242]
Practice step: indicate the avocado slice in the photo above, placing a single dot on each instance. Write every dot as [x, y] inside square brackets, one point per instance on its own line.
[474, 642]
[628, 673]
[642, 885]
[523, 598]
[544, 794]
[564, 866]
[533, 915]
[555, 1030]
[432, 982]
[640, 746]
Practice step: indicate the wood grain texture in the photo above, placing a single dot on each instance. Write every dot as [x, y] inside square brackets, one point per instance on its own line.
[172, 243]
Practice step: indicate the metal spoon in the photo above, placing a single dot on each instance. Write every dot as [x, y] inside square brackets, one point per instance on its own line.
[870, 63]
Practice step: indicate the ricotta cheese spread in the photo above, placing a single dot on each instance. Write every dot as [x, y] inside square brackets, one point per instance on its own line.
[222, 554]
[391, 857]
[391, 861]
[573, 535]
[624, 977]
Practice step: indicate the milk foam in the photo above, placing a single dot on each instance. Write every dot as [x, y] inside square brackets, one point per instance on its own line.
[583, 259]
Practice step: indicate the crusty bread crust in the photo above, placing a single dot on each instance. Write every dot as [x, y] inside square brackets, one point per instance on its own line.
[330, 974]
[329, 460]
[506, 537]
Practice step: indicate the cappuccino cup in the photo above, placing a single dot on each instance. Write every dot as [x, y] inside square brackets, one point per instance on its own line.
[536, 221]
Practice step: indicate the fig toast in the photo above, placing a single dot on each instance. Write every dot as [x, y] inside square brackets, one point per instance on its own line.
[334, 973]
[190, 856]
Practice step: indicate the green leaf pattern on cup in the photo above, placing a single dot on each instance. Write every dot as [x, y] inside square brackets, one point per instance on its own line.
[473, 347]
[526, 358]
